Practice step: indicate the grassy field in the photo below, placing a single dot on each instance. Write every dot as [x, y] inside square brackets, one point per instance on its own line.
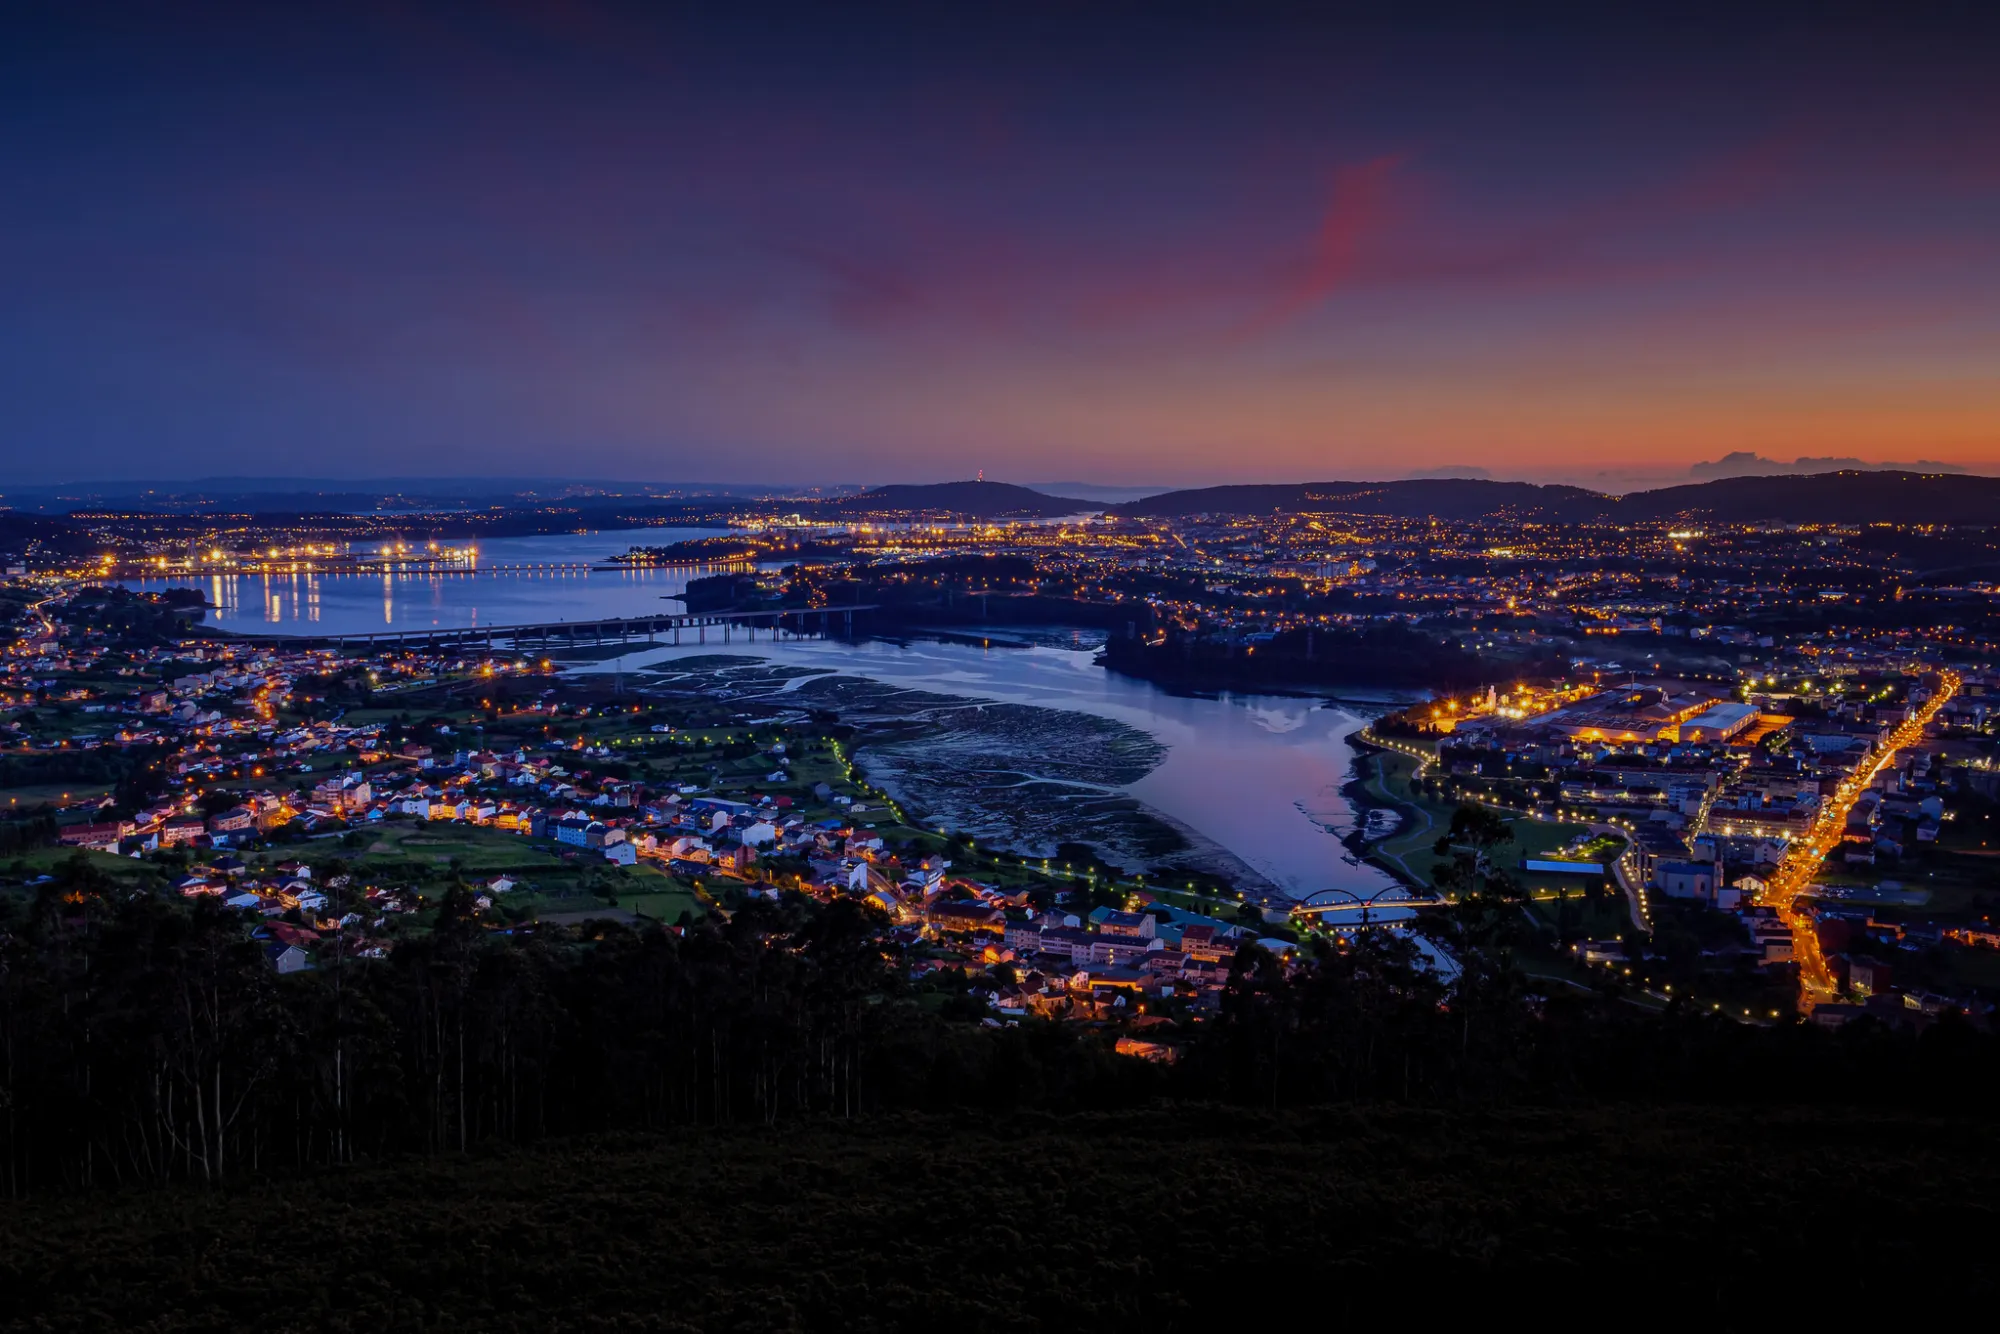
[1605, 919]
[664, 907]
[44, 861]
[369, 717]
[1972, 967]
[473, 847]
[864, 1225]
[1959, 872]
[1536, 839]
[61, 722]
[645, 889]
[51, 794]
[1411, 848]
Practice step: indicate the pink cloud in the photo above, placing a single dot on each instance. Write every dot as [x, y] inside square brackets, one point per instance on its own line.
[1355, 212]
[1585, 245]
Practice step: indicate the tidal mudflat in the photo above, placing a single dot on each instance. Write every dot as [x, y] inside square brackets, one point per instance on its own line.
[1029, 747]
[1022, 776]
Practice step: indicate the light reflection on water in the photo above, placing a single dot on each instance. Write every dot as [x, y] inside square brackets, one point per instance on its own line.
[564, 588]
[1259, 774]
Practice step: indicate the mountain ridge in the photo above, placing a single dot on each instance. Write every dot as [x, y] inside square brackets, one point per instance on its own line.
[976, 499]
[1835, 497]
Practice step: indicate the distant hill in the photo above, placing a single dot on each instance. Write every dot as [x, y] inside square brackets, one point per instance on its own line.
[1095, 491]
[1442, 497]
[1836, 497]
[973, 500]
[57, 537]
[321, 495]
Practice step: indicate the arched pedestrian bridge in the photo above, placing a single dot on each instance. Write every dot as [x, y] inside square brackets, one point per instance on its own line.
[1327, 902]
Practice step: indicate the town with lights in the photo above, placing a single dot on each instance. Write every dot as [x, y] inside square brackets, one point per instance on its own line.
[963, 820]
[1741, 767]
[1001, 668]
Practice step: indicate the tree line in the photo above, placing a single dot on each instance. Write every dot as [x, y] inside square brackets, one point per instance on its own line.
[145, 1039]
[34, 831]
[1389, 654]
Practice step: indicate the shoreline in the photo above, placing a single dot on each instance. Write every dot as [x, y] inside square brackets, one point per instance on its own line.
[1200, 847]
[1345, 693]
[1355, 792]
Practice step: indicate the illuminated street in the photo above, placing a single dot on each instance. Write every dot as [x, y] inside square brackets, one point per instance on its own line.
[1795, 874]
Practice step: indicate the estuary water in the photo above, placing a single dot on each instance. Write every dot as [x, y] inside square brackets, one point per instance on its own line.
[1257, 775]
[515, 581]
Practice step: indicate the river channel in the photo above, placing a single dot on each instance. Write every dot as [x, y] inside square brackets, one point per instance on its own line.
[1255, 777]
[1249, 782]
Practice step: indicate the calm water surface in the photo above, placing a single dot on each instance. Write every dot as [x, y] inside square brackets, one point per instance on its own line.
[1259, 774]
[313, 603]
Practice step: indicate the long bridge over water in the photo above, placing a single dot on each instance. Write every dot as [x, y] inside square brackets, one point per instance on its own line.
[781, 623]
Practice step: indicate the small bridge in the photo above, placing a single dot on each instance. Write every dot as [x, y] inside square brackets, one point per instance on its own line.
[781, 623]
[1344, 901]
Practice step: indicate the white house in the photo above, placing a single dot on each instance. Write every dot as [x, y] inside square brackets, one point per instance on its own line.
[287, 958]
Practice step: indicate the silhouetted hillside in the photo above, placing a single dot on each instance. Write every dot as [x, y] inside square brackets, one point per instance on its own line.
[20, 533]
[1176, 1219]
[1834, 497]
[976, 500]
[1838, 497]
[1442, 497]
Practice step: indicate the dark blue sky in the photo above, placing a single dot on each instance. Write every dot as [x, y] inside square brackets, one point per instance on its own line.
[1067, 242]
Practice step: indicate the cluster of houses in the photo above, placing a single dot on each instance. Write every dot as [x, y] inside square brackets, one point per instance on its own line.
[1110, 962]
[289, 890]
[230, 692]
[1712, 797]
[199, 698]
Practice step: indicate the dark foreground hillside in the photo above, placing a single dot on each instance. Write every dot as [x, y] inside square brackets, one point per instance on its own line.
[1168, 1220]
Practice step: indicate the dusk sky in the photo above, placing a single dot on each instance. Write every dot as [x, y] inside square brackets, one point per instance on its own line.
[577, 240]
